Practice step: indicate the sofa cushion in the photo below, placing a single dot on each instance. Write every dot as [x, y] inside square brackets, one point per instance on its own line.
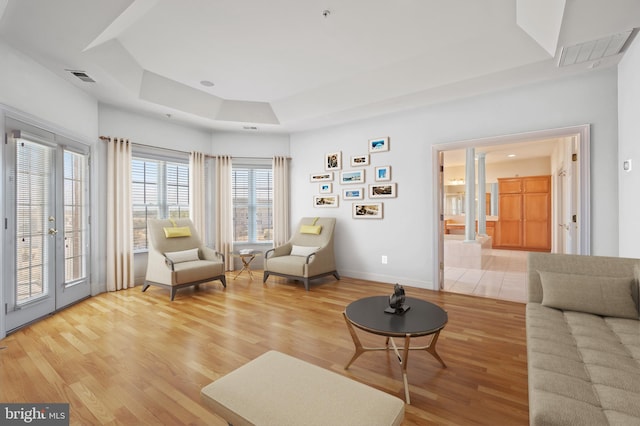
[290, 265]
[591, 377]
[186, 272]
[183, 256]
[303, 250]
[604, 296]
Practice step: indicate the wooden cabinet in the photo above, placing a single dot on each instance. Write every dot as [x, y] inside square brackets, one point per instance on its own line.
[524, 213]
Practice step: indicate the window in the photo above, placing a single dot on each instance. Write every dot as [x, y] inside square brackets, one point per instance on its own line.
[252, 203]
[160, 189]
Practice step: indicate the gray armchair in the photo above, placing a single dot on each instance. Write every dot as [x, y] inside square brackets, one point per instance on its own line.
[177, 257]
[307, 255]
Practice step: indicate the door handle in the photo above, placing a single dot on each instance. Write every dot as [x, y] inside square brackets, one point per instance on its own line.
[53, 231]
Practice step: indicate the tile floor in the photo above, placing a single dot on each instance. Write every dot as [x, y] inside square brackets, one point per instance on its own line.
[503, 277]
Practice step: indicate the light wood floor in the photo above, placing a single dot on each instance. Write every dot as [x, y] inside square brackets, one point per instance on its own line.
[136, 358]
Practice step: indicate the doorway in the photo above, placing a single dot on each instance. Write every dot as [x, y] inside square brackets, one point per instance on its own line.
[577, 188]
[47, 223]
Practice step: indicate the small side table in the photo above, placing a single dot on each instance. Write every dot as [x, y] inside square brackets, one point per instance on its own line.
[246, 259]
[423, 319]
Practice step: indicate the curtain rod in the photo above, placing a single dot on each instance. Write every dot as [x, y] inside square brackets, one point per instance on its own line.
[106, 139]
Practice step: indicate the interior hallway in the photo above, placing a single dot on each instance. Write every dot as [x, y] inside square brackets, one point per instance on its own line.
[503, 277]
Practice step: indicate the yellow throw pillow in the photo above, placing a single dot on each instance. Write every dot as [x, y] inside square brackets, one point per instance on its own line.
[310, 229]
[177, 231]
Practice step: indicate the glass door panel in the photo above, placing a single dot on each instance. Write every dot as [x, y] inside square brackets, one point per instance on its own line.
[33, 204]
[30, 295]
[74, 277]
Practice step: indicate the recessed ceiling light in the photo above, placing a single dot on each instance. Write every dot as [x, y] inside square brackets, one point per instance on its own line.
[511, 155]
[206, 83]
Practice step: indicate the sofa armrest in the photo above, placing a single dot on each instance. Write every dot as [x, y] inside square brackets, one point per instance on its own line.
[283, 250]
[321, 261]
[162, 268]
[169, 263]
[207, 253]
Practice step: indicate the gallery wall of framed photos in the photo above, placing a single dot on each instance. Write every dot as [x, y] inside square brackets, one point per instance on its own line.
[356, 179]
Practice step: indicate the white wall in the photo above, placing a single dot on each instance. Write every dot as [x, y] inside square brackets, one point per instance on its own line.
[405, 234]
[629, 148]
[250, 144]
[158, 131]
[31, 93]
[28, 87]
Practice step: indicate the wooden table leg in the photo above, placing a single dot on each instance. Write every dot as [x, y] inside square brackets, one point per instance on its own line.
[432, 348]
[356, 341]
[246, 265]
[404, 362]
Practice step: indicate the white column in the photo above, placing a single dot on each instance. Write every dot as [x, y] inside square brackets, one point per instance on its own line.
[470, 199]
[494, 199]
[482, 194]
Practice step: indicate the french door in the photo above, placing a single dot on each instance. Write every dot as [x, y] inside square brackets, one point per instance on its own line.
[46, 225]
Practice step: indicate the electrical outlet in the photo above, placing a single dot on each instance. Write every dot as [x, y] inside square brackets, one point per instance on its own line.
[384, 260]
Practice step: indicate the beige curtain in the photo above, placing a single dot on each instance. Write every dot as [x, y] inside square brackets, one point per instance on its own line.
[224, 210]
[197, 191]
[119, 220]
[280, 200]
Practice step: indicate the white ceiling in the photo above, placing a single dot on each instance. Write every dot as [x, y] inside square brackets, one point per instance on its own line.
[282, 66]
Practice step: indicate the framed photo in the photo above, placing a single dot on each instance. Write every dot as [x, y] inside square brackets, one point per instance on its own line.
[321, 177]
[353, 194]
[360, 160]
[383, 173]
[333, 161]
[379, 144]
[383, 190]
[325, 201]
[325, 188]
[352, 176]
[367, 211]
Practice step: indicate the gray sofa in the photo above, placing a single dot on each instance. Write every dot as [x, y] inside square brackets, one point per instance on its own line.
[583, 340]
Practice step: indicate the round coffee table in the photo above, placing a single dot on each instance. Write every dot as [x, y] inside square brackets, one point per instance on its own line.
[422, 319]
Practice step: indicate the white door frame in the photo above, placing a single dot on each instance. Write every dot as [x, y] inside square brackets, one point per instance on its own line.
[63, 138]
[583, 165]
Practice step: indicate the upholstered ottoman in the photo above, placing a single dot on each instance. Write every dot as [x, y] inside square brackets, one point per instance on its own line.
[278, 389]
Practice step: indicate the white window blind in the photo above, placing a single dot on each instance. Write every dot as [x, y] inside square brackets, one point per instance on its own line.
[33, 191]
[252, 203]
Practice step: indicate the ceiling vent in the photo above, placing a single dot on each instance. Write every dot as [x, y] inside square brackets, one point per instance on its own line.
[250, 128]
[593, 50]
[82, 76]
